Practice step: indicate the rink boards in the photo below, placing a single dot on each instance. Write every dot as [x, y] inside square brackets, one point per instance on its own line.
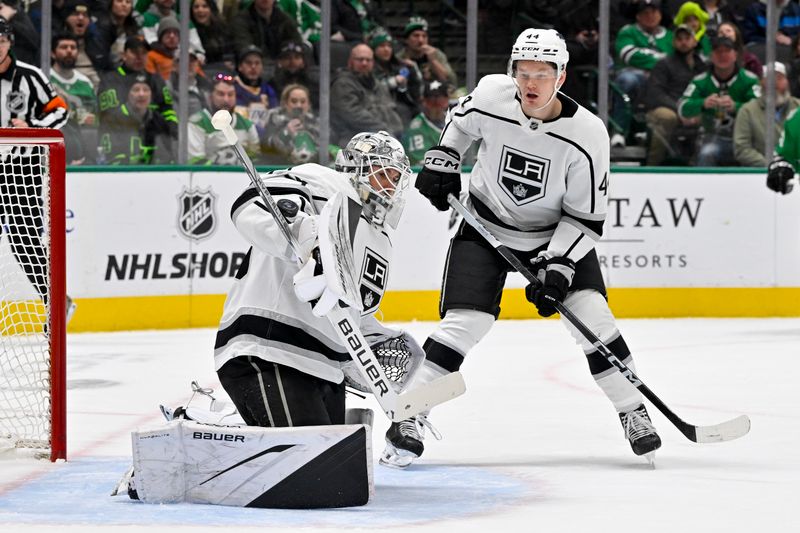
[156, 249]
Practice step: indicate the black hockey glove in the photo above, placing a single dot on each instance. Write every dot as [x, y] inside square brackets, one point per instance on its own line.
[555, 275]
[779, 176]
[440, 176]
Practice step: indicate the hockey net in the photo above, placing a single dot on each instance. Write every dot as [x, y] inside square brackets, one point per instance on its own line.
[32, 294]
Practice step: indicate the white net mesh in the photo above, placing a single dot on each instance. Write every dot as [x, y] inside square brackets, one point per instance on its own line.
[25, 394]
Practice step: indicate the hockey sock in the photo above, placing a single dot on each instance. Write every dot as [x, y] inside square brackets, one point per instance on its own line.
[619, 390]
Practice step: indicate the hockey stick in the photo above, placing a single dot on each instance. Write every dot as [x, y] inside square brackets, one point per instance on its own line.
[729, 430]
[397, 406]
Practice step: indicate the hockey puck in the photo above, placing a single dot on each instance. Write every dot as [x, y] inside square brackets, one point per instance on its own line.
[288, 208]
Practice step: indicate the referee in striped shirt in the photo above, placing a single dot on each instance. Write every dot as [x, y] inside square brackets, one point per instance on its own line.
[27, 100]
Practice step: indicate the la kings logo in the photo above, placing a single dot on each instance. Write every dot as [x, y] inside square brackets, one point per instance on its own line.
[197, 218]
[522, 176]
[373, 280]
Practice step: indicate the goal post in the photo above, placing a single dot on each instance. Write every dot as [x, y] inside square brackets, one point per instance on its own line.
[33, 292]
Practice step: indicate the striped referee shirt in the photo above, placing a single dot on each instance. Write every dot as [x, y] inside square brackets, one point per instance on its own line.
[25, 93]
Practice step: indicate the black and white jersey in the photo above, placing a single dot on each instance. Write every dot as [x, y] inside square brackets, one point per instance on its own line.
[26, 93]
[534, 182]
[262, 316]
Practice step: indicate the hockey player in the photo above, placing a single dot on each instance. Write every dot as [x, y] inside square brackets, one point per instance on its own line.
[540, 184]
[279, 360]
[786, 162]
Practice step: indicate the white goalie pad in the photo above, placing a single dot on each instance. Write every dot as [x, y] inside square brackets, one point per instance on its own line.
[286, 468]
[336, 251]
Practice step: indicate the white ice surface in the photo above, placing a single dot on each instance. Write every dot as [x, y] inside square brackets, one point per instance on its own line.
[532, 446]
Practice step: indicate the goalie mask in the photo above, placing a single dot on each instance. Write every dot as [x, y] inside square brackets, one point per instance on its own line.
[379, 171]
[547, 46]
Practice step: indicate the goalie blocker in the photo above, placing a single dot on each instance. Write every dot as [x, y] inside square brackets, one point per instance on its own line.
[283, 468]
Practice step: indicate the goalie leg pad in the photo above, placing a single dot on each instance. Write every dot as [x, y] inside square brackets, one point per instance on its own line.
[283, 468]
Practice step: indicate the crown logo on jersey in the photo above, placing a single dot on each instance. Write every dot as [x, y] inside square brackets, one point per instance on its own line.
[522, 176]
[197, 217]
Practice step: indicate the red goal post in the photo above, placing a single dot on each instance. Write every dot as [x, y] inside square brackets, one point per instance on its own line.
[33, 292]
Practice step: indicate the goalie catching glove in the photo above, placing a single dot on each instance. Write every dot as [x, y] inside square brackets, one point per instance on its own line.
[555, 275]
[440, 176]
[779, 176]
[399, 355]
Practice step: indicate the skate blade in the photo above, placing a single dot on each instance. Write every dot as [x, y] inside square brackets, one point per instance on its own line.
[122, 485]
[396, 458]
[651, 459]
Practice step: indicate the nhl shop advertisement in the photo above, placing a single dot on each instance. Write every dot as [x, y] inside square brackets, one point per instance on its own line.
[169, 233]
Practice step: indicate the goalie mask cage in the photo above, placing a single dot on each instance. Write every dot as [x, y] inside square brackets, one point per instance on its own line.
[32, 293]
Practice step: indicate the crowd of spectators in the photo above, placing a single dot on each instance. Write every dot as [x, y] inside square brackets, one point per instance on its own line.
[687, 77]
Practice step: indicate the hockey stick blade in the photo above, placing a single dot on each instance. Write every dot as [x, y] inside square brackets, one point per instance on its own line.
[424, 397]
[732, 429]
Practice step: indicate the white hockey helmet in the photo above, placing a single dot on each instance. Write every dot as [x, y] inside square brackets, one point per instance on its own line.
[369, 159]
[539, 45]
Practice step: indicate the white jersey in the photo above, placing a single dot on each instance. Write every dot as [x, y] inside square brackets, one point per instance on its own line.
[535, 183]
[262, 316]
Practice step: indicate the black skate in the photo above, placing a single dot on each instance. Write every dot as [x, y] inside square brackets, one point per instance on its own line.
[640, 432]
[404, 441]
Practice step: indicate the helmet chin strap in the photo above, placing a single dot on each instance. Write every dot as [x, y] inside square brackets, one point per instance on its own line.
[556, 88]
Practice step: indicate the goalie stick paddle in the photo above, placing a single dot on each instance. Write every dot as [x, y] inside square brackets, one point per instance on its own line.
[397, 406]
[729, 430]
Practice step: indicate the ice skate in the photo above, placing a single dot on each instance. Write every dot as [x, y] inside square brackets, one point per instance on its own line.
[404, 441]
[640, 433]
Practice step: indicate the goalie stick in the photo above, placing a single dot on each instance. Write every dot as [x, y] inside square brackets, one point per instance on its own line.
[729, 430]
[397, 406]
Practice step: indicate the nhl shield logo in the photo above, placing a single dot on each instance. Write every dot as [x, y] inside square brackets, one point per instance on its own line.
[522, 176]
[16, 102]
[196, 216]
[373, 280]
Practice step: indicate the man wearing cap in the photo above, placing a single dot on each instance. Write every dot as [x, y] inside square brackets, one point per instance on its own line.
[157, 11]
[90, 59]
[665, 86]
[264, 25]
[431, 61]
[749, 129]
[133, 134]
[359, 102]
[638, 47]
[401, 76]
[254, 96]
[115, 84]
[716, 97]
[291, 69]
[161, 57]
[425, 129]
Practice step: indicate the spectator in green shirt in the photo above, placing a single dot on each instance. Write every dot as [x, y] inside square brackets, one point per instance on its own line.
[716, 96]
